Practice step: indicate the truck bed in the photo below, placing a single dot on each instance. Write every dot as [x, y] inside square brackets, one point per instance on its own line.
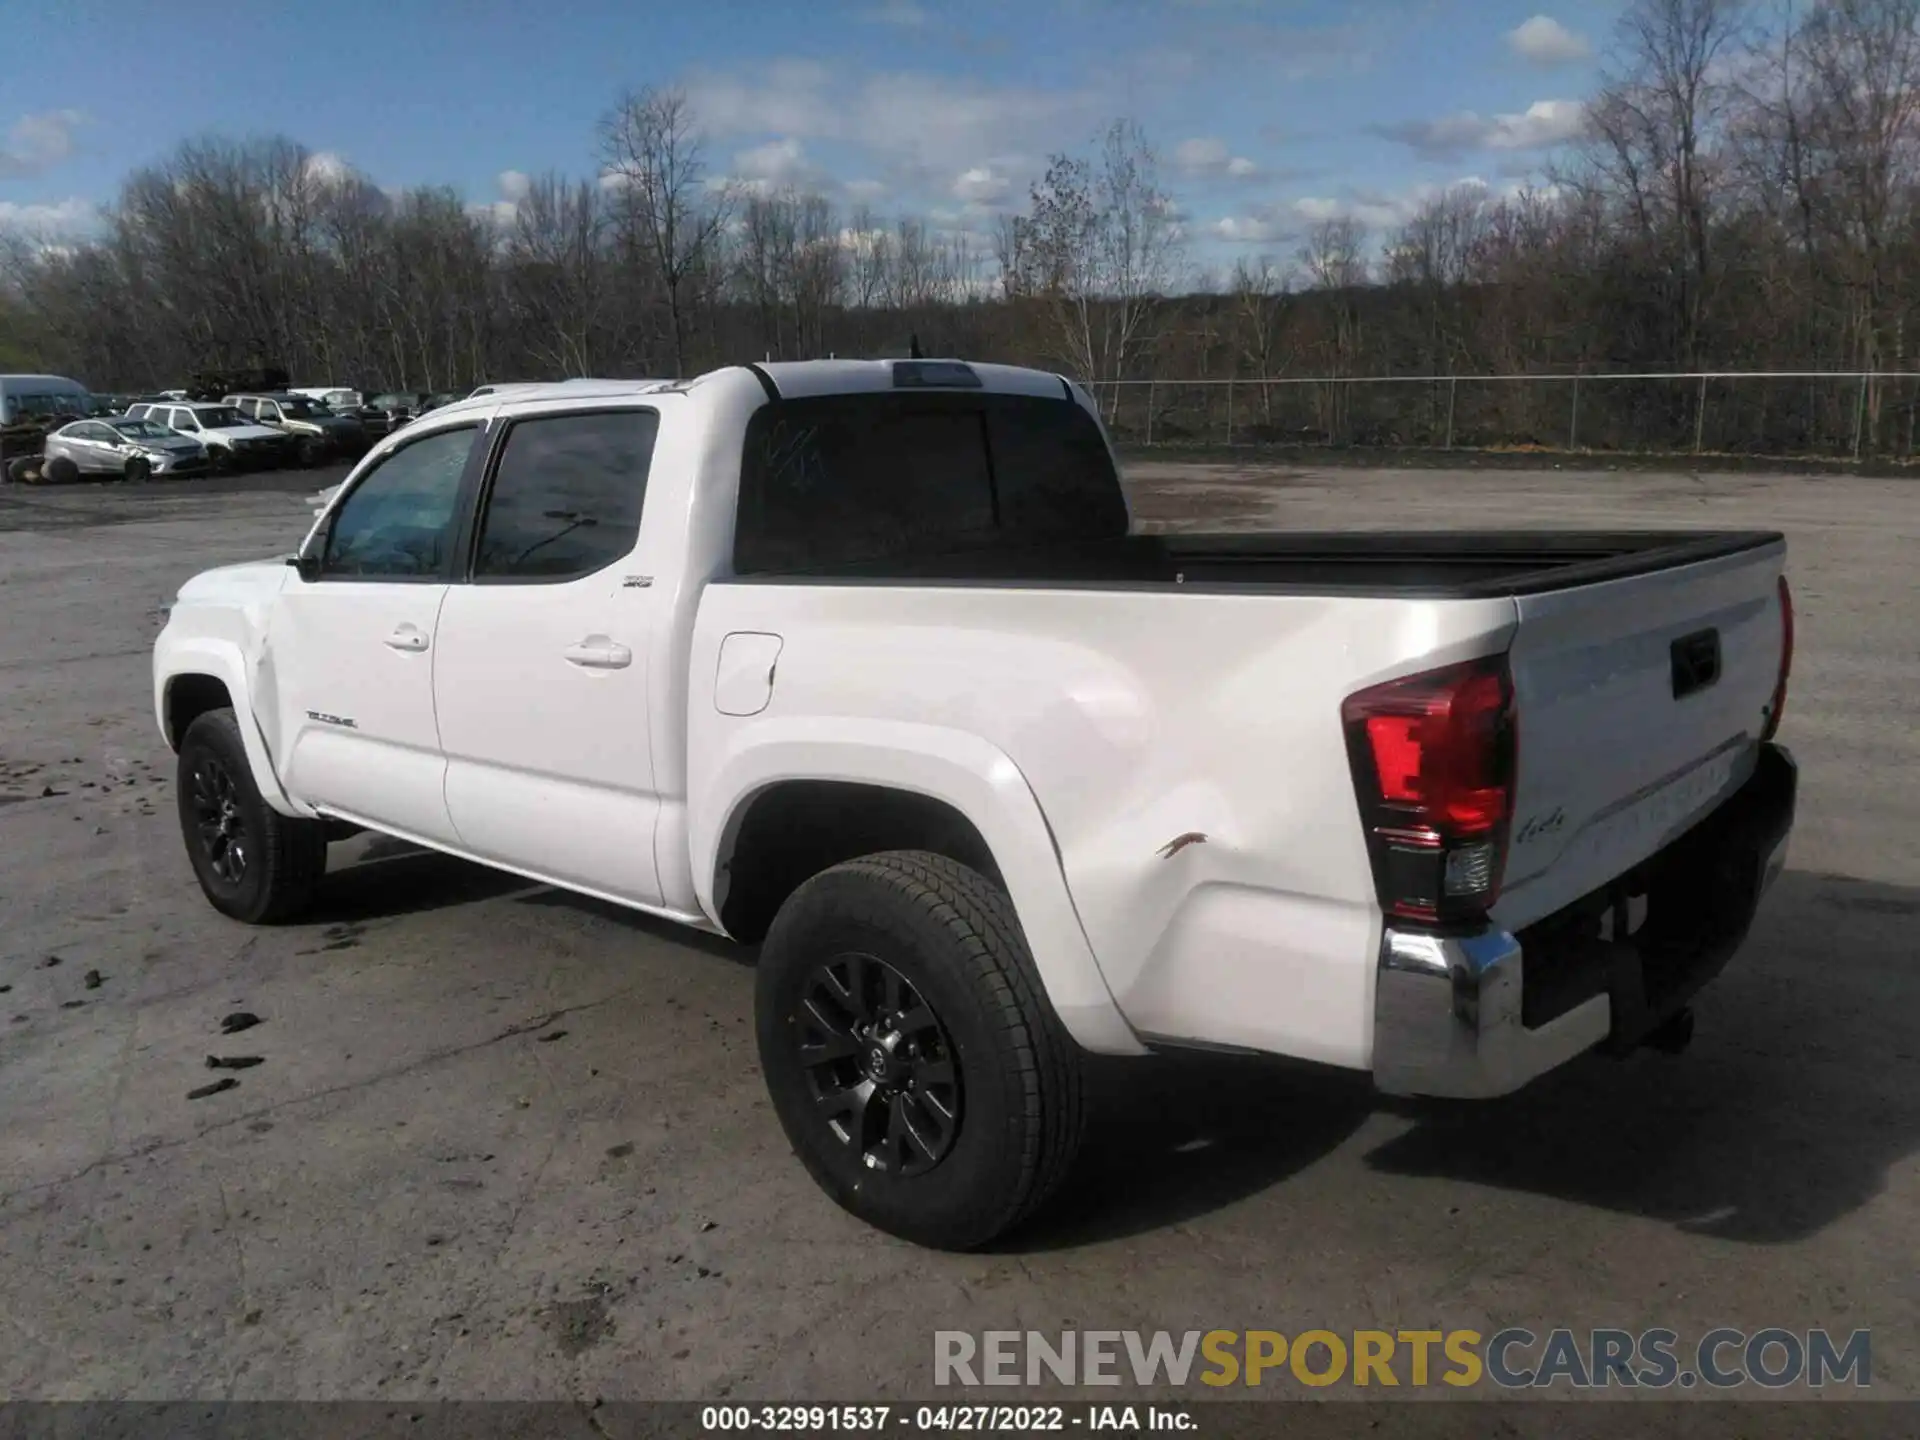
[1408, 564]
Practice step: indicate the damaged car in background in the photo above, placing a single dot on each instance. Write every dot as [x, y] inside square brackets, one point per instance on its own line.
[122, 448]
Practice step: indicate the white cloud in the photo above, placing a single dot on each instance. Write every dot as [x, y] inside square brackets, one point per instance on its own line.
[1204, 153]
[981, 185]
[500, 213]
[514, 187]
[47, 218]
[38, 142]
[1378, 210]
[1249, 229]
[1543, 124]
[1208, 156]
[778, 162]
[1545, 41]
[919, 130]
[326, 167]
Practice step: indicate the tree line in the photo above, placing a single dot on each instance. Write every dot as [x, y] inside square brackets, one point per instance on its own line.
[1743, 198]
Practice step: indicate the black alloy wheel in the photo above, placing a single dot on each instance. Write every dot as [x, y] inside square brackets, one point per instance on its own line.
[879, 1064]
[218, 821]
[253, 863]
[910, 1050]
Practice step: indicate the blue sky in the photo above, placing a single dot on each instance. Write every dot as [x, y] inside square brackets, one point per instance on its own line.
[1268, 113]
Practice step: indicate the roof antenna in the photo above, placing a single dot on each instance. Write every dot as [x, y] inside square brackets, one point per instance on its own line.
[913, 348]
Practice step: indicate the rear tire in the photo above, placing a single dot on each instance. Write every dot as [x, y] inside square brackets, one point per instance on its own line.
[60, 470]
[253, 863]
[911, 1053]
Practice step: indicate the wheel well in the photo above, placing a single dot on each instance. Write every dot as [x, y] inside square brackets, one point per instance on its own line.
[188, 698]
[792, 831]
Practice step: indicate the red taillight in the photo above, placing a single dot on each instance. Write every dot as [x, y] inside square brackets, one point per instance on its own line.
[1433, 759]
[1779, 705]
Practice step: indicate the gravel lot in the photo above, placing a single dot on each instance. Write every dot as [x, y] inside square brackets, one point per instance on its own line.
[508, 1144]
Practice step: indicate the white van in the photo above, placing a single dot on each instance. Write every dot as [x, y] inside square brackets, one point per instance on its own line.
[27, 397]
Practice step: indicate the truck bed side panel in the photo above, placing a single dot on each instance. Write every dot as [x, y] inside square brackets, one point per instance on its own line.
[1137, 720]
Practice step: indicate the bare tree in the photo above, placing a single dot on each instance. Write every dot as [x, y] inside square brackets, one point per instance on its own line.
[1099, 242]
[656, 169]
[1262, 293]
[1654, 130]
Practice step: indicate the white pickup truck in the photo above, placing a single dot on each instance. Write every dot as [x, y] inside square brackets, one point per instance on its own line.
[862, 660]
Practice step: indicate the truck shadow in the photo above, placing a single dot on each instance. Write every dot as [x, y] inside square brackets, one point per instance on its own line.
[374, 877]
[1796, 1099]
[1183, 1134]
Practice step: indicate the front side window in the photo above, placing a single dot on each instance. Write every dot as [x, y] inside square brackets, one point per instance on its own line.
[398, 522]
[566, 496]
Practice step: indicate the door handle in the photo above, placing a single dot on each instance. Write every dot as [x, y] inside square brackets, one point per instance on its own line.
[597, 652]
[407, 637]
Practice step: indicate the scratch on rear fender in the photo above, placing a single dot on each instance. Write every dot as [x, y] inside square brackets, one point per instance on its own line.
[1180, 842]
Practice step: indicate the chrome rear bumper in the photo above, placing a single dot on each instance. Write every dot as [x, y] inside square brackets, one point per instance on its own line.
[1450, 1010]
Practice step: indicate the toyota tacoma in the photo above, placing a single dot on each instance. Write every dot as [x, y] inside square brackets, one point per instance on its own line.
[864, 662]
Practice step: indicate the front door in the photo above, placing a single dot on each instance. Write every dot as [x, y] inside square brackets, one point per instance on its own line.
[347, 672]
[541, 675]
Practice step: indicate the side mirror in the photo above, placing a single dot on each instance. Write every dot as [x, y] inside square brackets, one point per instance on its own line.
[308, 566]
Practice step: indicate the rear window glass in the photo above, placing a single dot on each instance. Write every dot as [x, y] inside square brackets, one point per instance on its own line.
[847, 479]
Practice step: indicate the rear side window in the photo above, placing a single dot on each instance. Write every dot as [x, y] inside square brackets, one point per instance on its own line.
[854, 479]
[566, 496]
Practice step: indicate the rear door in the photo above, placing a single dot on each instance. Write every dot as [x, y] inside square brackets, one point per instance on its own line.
[1640, 703]
[541, 675]
[91, 447]
[347, 670]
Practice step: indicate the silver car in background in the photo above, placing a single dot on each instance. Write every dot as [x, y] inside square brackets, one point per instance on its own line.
[126, 448]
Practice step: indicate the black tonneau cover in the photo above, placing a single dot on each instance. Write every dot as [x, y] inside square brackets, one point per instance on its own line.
[1414, 564]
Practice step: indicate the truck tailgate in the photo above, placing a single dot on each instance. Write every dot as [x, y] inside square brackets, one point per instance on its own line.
[1640, 701]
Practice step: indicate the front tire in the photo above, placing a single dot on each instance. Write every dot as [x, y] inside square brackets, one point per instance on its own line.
[139, 470]
[219, 462]
[910, 1051]
[309, 453]
[253, 863]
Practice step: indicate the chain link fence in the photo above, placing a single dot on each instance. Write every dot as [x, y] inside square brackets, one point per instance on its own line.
[1842, 415]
